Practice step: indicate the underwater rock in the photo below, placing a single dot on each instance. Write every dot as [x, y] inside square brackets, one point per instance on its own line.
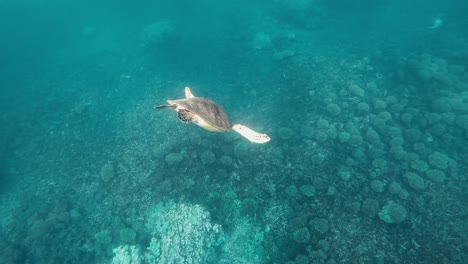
[363, 107]
[462, 121]
[103, 237]
[393, 213]
[419, 166]
[331, 191]
[396, 108]
[403, 194]
[321, 136]
[441, 105]
[379, 164]
[448, 118]
[323, 245]
[437, 129]
[322, 124]
[379, 104]
[355, 140]
[428, 68]
[332, 133]
[220, 174]
[291, 190]
[436, 176]
[370, 207]
[391, 100]
[373, 137]
[107, 172]
[460, 104]
[74, 215]
[208, 157]
[307, 190]
[356, 90]
[359, 154]
[394, 188]
[377, 186]
[320, 225]
[344, 173]
[349, 162]
[380, 125]
[319, 184]
[333, 109]
[344, 137]
[308, 132]
[226, 160]
[161, 151]
[127, 235]
[413, 134]
[301, 235]
[352, 207]
[393, 131]
[371, 86]
[377, 151]
[420, 148]
[385, 116]
[415, 181]
[397, 142]
[174, 158]
[439, 160]
[406, 118]
[317, 159]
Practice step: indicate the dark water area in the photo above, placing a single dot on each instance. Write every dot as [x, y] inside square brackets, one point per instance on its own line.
[365, 104]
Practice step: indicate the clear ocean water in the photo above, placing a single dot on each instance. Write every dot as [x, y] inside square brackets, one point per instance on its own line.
[365, 102]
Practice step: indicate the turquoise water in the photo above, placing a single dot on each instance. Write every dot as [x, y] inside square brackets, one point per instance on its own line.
[366, 105]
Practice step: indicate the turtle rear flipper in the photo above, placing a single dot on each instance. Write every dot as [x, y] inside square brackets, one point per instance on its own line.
[251, 135]
[185, 115]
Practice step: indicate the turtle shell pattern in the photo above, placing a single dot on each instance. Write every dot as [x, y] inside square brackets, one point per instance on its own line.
[209, 111]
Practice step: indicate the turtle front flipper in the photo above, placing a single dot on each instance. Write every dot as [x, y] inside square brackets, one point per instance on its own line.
[188, 93]
[251, 135]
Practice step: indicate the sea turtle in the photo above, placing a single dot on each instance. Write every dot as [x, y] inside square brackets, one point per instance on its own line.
[209, 115]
